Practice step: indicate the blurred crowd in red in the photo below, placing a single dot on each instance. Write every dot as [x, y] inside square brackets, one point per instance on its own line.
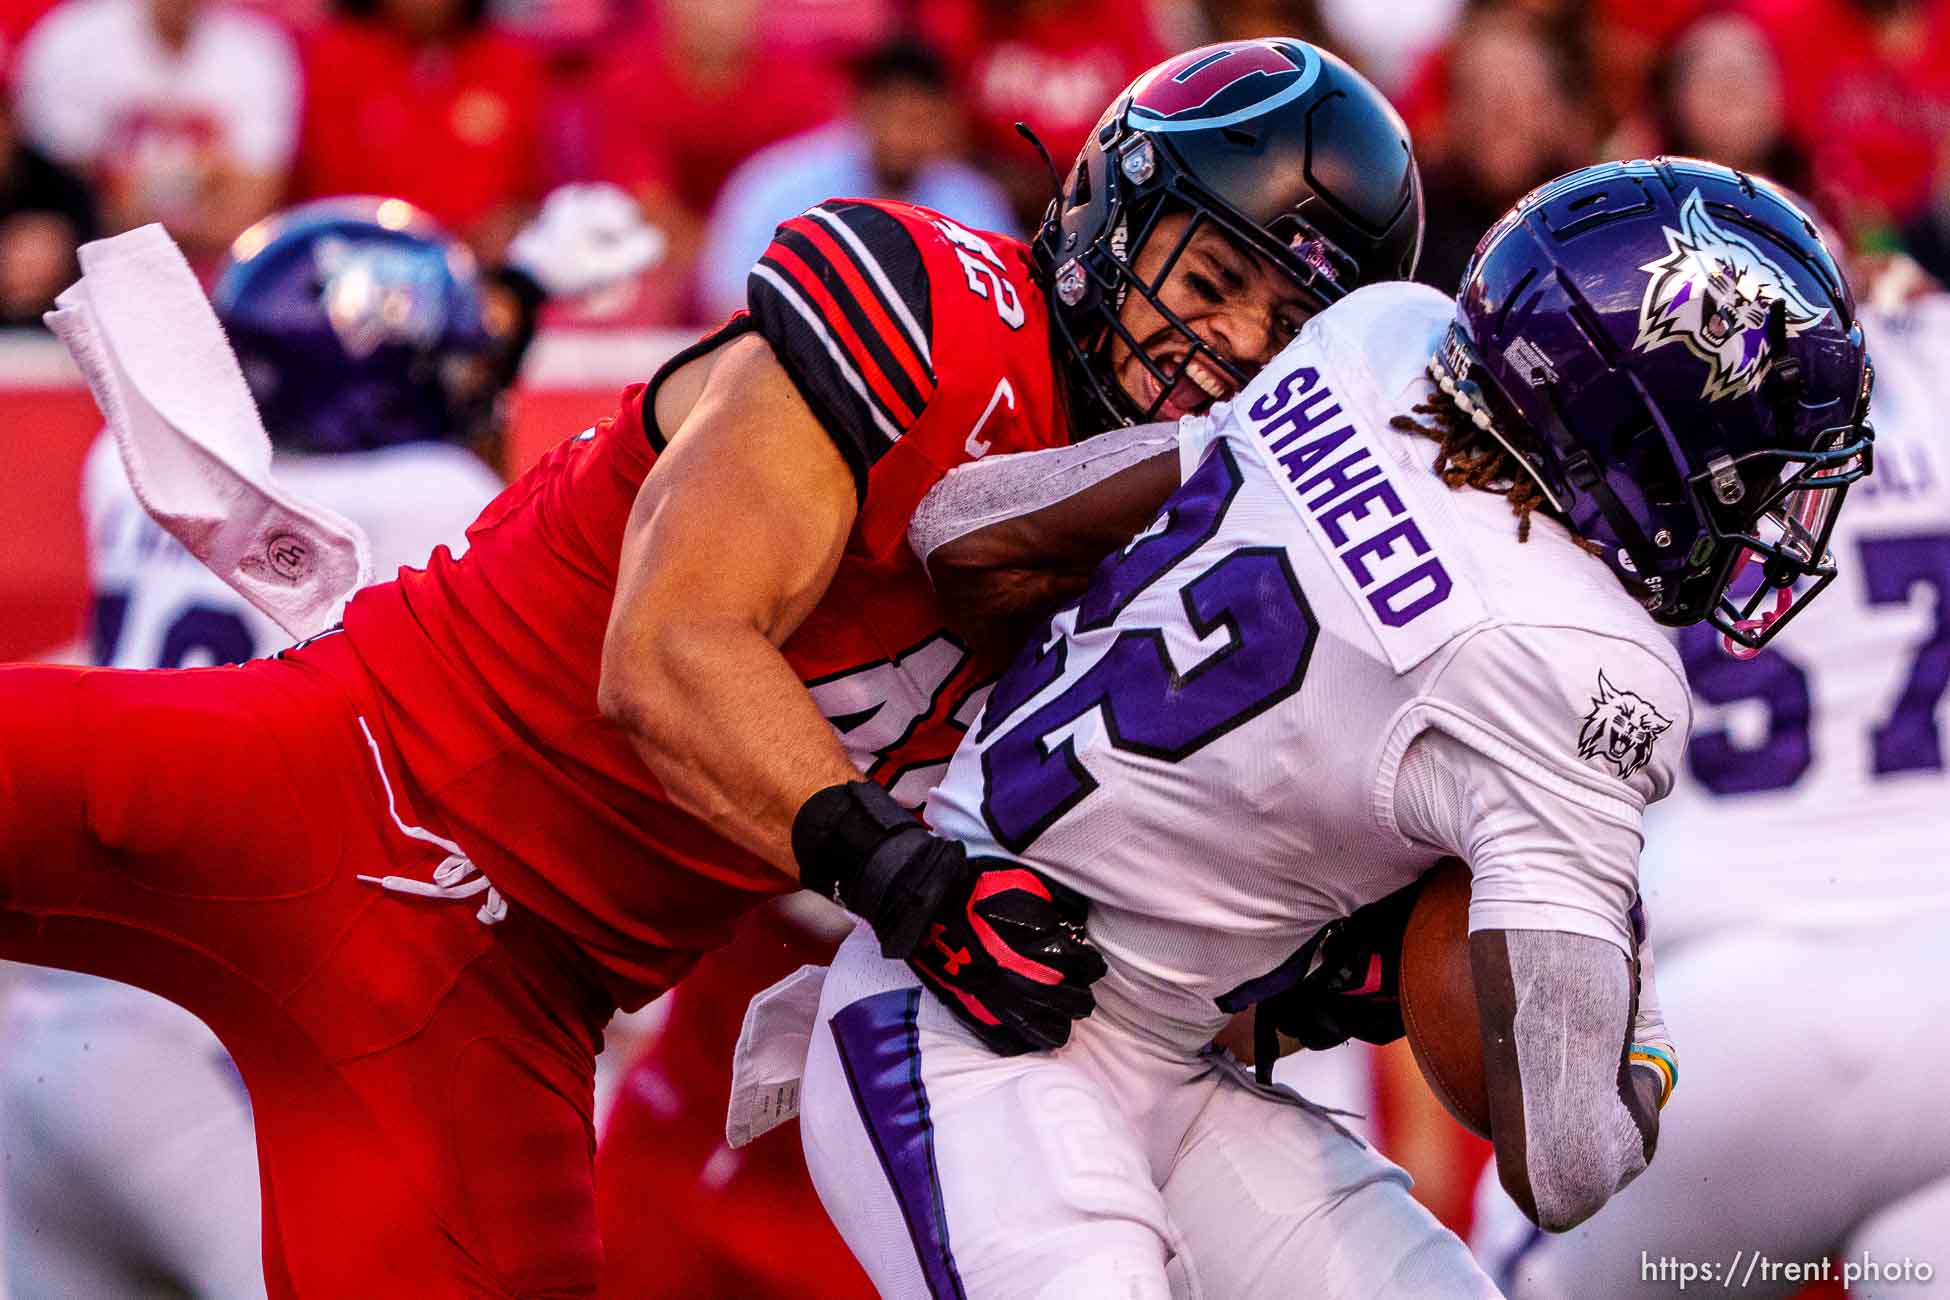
[725, 116]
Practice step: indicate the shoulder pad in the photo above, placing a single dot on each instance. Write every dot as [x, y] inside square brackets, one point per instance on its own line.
[843, 297]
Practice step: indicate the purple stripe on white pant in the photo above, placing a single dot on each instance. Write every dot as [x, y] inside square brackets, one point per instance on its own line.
[879, 1042]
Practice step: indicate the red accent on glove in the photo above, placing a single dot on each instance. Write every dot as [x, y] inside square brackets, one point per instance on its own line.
[1373, 983]
[989, 885]
[956, 958]
[972, 1003]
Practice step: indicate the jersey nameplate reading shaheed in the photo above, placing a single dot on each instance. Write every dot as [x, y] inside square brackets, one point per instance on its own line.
[1342, 484]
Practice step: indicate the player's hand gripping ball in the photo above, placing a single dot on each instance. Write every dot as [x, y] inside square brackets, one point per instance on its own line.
[1438, 997]
[1351, 987]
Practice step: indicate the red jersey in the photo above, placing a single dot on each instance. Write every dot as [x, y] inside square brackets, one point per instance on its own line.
[663, 1143]
[1870, 113]
[920, 345]
[660, 127]
[454, 129]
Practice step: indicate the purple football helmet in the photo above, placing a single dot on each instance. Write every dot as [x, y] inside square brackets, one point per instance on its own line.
[358, 325]
[1674, 355]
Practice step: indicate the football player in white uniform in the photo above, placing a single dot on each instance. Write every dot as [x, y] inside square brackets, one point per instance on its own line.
[1324, 667]
[1797, 874]
[131, 1163]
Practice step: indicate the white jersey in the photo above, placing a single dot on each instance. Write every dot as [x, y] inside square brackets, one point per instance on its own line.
[156, 606]
[101, 92]
[1815, 789]
[1318, 672]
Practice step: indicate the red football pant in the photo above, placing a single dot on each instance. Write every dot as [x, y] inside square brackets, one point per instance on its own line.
[421, 1082]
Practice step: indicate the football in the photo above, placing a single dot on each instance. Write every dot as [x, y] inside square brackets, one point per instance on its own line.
[1438, 997]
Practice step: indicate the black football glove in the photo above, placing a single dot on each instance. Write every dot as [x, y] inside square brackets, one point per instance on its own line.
[1353, 988]
[1000, 944]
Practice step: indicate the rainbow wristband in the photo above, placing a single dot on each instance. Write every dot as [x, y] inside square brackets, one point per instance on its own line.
[1661, 1060]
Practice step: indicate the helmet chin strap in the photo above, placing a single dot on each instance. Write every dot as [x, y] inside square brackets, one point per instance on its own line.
[1120, 244]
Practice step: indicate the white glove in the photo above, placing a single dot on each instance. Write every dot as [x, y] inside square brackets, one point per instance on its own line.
[587, 237]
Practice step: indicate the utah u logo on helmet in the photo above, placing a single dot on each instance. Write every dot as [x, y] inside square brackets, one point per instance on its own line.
[1223, 85]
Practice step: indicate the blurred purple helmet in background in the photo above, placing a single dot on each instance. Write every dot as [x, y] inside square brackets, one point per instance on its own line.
[1673, 353]
[358, 324]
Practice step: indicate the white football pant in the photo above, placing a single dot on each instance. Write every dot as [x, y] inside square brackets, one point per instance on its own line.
[1112, 1168]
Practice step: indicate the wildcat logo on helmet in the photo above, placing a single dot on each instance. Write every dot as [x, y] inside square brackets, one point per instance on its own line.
[377, 293]
[1712, 292]
[1621, 728]
[1213, 88]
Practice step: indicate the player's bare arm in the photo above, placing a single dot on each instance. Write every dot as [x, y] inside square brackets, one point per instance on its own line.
[732, 542]
[1008, 539]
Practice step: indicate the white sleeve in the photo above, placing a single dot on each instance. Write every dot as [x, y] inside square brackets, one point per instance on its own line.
[110, 514]
[1649, 1024]
[1196, 434]
[1532, 756]
[409, 499]
[983, 492]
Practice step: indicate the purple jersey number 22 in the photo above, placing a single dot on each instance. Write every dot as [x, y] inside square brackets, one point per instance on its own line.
[1149, 707]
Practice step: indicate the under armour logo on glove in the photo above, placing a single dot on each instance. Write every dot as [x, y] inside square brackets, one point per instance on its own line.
[957, 957]
[1002, 946]
[1018, 965]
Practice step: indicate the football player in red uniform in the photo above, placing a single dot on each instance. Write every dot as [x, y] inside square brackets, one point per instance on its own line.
[663, 1140]
[642, 702]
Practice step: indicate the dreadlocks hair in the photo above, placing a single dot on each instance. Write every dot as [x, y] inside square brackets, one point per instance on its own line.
[1468, 457]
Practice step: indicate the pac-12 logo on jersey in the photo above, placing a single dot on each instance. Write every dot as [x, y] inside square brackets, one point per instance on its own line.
[1621, 728]
[1712, 292]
